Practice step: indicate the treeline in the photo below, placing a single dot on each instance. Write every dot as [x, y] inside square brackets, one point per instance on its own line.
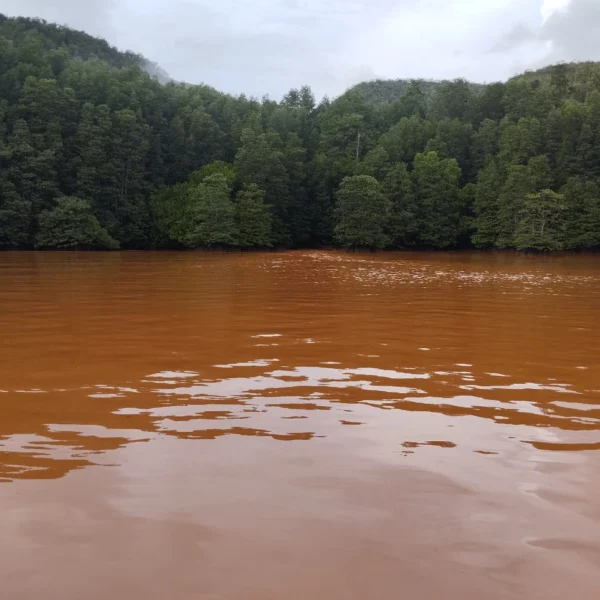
[97, 153]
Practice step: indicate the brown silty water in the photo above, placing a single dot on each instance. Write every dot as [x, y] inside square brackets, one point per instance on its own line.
[299, 425]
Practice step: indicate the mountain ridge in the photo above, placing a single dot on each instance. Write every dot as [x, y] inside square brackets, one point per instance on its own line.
[86, 46]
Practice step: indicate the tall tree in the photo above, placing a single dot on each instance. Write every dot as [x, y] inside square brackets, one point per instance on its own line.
[376, 164]
[72, 225]
[541, 224]
[261, 162]
[15, 217]
[486, 206]
[582, 213]
[253, 217]
[520, 183]
[407, 138]
[436, 184]
[361, 213]
[399, 189]
[212, 214]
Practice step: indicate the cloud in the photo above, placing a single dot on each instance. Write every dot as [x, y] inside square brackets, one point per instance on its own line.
[516, 37]
[567, 33]
[268, 46]
[573, 32]
[549, 7]
[93, 16]
[276, 45]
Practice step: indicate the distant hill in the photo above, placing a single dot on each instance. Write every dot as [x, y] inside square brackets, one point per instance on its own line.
[577, 72]
[43, 37]
[388, 90]
[574, 80]
[578, 77]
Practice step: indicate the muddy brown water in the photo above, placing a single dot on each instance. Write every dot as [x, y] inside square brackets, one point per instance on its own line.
[299, 425]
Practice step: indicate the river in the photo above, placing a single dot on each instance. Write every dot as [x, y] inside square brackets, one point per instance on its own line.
[299, 425]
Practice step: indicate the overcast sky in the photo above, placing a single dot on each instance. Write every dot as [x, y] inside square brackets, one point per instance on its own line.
[269, 46]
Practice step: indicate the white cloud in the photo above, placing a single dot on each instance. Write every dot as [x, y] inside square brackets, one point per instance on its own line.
[568, 32]
[267, 46]
[94, 16]
[549, 7]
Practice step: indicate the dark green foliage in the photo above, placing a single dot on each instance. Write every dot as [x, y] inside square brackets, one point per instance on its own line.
[484, 146]
[407, 138]
[453, 100]
[519, 183]
[156, 164]
[15, 218]
[203, 213]
[253, 218]
[33, 35]
[582, 214]
[486, 205]
[466, 226]
[362, 214]
[212, 214]
[170, 211]
[376, 163]
[217, 167]
[386, 90]
[541, 223]
[399, 188]
[436, 183]
[413, 102]
[71, 225]
[260, 161]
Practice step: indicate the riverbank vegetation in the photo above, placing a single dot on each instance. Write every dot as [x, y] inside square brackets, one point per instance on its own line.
[97, 153]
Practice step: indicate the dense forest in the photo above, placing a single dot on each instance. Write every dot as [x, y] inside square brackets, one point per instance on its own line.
[96, 151]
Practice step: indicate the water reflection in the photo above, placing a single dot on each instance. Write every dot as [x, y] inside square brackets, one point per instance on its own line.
[268, 403]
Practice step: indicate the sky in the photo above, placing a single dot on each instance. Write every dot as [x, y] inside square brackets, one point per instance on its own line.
[266, 47]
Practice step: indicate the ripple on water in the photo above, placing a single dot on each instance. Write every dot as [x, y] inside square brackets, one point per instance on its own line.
[447, 399]
[271, 400]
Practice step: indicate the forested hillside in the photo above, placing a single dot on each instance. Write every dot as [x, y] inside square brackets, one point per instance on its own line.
[97, 153]
[389, 90]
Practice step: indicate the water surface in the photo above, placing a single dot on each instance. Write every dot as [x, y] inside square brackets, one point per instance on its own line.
[299, 425]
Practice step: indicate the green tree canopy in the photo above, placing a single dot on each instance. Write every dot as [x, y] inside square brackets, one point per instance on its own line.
[212, 214]
[71, 225]
[400, 190]
[455, 161]
[362, 213]
[253, 218]
[541, 224]
[582, 213]
[436, 183]
[217, 167]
